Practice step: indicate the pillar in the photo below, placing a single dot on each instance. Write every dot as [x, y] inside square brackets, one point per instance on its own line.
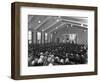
[34, 37]
[43, 37]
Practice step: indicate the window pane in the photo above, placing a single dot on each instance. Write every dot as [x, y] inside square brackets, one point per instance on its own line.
[72, 36]
[38, 35]
[46, 36]
[29, 35]
[29, 32]
[30, 41]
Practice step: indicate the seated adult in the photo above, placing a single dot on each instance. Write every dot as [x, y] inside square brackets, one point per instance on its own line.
[77, 58]
[50, 64]
[62, 61]
[57, 60]
[67, 61]
[40, 60]
[83, 59]
[34, 62]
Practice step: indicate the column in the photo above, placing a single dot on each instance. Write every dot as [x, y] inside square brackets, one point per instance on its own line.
[43, 37]
[34, 37]
[49, 37]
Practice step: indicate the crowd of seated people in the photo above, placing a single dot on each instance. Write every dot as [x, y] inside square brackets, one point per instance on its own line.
[56, 54]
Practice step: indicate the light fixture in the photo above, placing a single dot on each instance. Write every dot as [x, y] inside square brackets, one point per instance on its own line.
[66, 25]
[84, 30]
[81, 24]
[39, 21]
[42, 30]
[57, 20]
[71, 25]
[56, 27]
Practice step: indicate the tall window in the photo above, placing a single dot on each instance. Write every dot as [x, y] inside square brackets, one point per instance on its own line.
[39, 37]
[46, 37]
[51, 37]
[29, 37]
[72, 37]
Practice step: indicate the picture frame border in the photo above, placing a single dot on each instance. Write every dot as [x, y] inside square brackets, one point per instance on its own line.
[15, 40]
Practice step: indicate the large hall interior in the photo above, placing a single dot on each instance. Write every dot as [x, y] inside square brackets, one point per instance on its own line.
[57, 40]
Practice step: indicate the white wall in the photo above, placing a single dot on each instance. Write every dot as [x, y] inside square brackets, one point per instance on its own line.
[5, 40]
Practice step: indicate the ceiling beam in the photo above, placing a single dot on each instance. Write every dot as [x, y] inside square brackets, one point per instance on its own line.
[76, 22]
[41, 23]
[51, 25]
[57, 27]
[82, 27]
[32, 18]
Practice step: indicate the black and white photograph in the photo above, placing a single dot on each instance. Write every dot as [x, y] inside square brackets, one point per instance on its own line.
[50, 40]
[57, 40]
